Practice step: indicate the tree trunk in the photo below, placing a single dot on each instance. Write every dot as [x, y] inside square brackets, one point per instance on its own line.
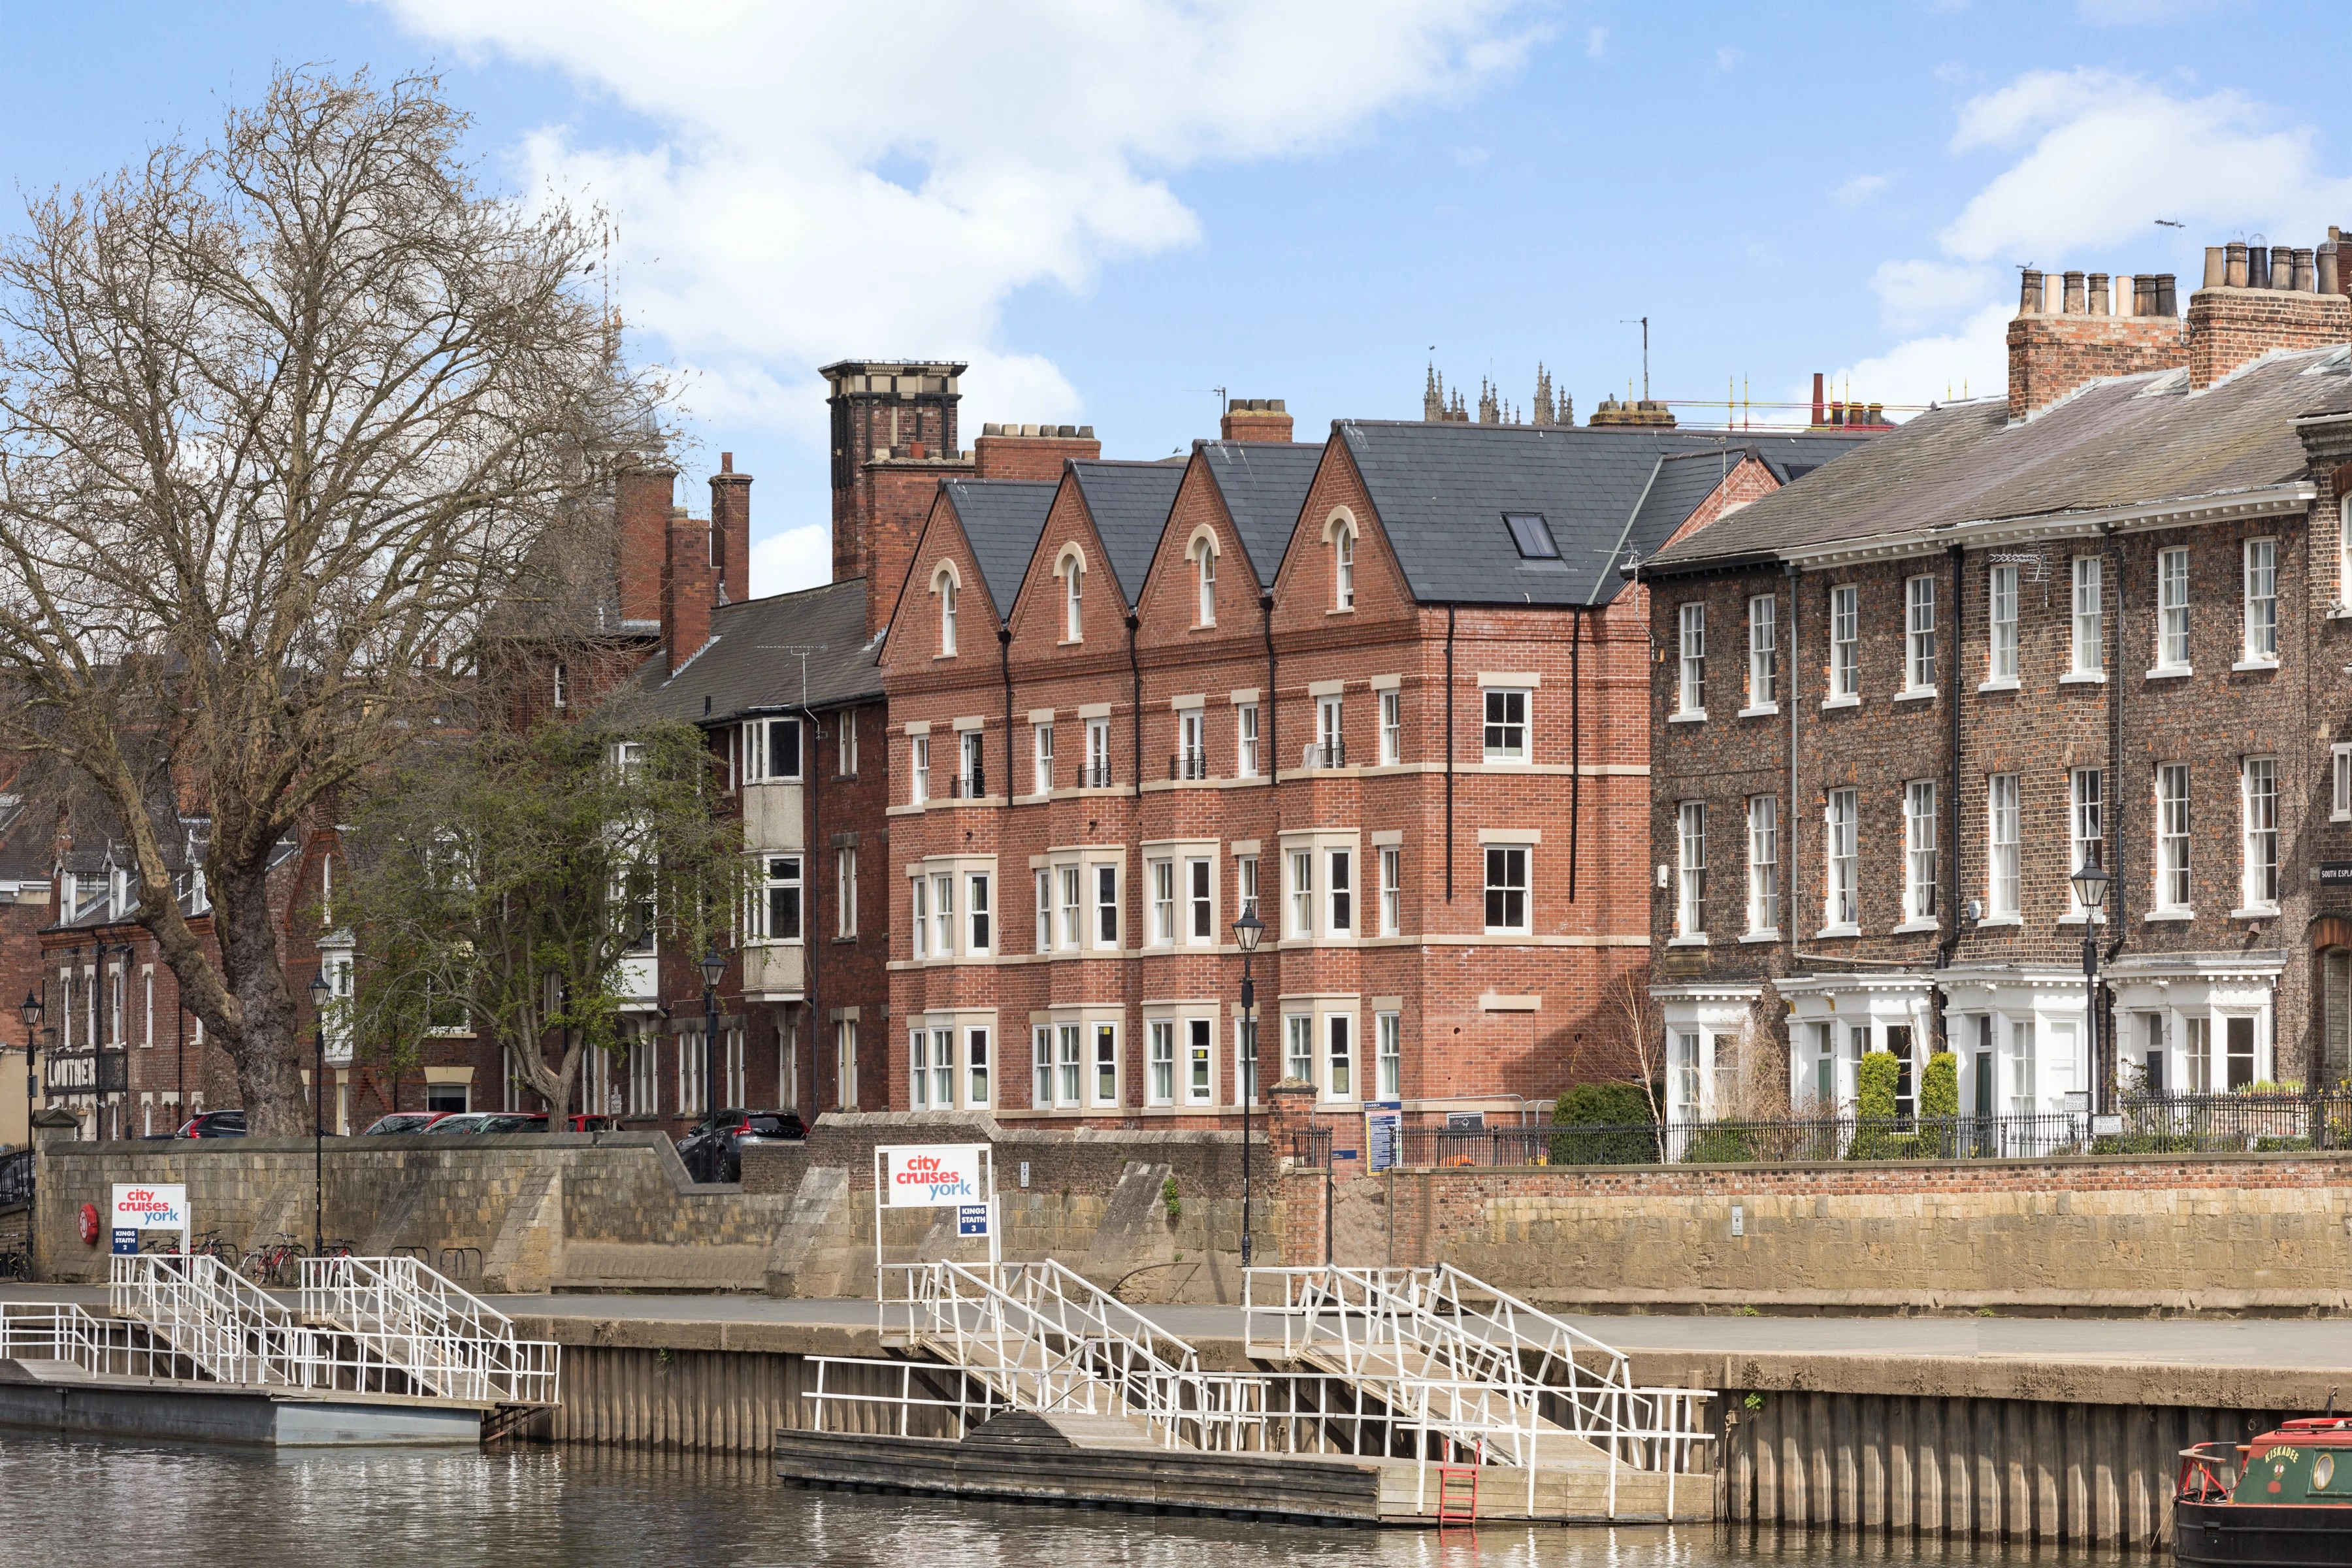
[265, 1045]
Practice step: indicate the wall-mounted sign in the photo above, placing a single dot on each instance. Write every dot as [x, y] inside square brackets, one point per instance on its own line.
[88, 1072]
[938, 1175]
[2335, 873]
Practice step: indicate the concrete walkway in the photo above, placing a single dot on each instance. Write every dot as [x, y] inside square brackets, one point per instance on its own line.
[2270, 1342]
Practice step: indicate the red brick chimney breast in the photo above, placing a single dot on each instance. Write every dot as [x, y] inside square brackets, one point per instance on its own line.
[642, 499]
[689, 586]
[1032, 451]
[731, 529]
[2052, 352]
[1255, 419]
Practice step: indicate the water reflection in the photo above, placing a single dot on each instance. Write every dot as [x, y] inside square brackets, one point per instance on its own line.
[131, 1505]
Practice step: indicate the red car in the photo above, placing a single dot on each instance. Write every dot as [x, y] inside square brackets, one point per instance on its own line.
[403, 1121]
[582, 1122]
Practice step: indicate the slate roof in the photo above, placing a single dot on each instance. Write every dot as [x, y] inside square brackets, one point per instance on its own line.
[2127, 441]
[750, 666]
[1264, 484]
[1129, 504]
[1003, 520]
[1441, 491]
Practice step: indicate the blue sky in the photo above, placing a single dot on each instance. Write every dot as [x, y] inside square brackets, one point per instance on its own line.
[1112, 208]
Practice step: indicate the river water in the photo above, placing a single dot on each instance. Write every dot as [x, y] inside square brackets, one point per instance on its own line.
[131, 1505]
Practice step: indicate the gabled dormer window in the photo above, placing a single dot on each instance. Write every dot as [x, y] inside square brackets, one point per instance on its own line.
[1073, 591]
[1205, 559]
[944, 585]
[1343, 545]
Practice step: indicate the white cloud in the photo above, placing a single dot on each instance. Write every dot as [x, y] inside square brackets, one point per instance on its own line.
[1596, 42]
[2093, 157]
[1858, 189]
[814, 186]
[1726, 58]
[796, 558]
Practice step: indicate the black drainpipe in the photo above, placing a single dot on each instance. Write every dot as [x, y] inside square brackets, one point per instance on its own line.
[2111, 811]
[1951, 889]
[1267, 737]
[1575, 744]
[811, 941]
[1133, 620]
[1005, 657]
[1449, 753]
[1789, 835]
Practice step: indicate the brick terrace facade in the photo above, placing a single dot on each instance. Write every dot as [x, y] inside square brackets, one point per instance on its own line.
[2108, 628]
[1105, 775]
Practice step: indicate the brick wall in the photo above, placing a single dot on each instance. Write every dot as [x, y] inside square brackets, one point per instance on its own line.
[2228, 327]
[2051, 355]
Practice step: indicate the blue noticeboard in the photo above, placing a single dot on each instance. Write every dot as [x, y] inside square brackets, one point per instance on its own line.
[972, 1219]
[1382, 1123]
[126, 1239]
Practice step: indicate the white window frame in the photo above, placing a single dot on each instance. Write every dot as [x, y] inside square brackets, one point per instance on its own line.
[848, 743]
[1245, 1085]
[1192, 744]
[1299, 1046]
[1245, 894]
[1197, 1068]
[780, 874]
[1102, 1039]
[1109, 930]
[2339, 757]
[1840, 899]
[1343, 572]
[918, 769]
[1918, 636]
[2174, 822]
[1391, 889]
[1331, 733]
[972, 764]
[2258, 797]
[2259, 574]
[1044, 878]
[979, 914]
[1340, 892]
[1391, 729]
[943, 1067]
[946, 588]
[1497, 732]
[1097, 773]
[1690, 687]
[1162, 875]
[1342, 1060]
[2172, 649]
[1764, 865]
[1763, 654]
[1300, 905]
[2004, 852]
[943, 902]
[562, 693]
[1160, 1061]
[2000, 617]
[978, 1078]
[2090, 651]
[1846, 642]
[1919, 851]
[845, 890]
[1690, 870]
[1074, 600]
[1199, 896]
[1388, 1034]
[2087, 822]
[1205, 565]
[1072, 881]
[918, 921]
[1041, 758]
[1246, 741]
[759, 742]
[1509, 876]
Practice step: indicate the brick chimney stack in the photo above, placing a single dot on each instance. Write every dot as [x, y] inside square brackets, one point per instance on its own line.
[642, 499]
[2053, 351]
[1032, 451]
[893, 439]
[1255, 419]
[730, 531]
[689, 587]
[2254, 302]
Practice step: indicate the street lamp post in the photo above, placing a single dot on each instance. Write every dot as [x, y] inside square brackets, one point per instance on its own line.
[30, 1012]
[2091, 892]
[1247, 931]
[320, 992]
[714, 970]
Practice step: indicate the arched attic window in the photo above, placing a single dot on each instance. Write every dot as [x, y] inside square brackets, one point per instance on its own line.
[1204, 567]
[1072, 568]
[1341, 532]
[944, 584]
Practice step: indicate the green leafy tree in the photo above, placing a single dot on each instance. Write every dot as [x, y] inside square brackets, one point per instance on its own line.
[1876, 1076]
[502, 884]
[1939, 1087]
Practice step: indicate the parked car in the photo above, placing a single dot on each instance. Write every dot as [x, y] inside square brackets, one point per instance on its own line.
[404, 1121]
[583, 1122]
[472, 1121]
[213, 1124]
[713, 1151]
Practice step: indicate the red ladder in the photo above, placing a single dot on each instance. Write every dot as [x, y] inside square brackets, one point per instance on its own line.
[1457, 1494]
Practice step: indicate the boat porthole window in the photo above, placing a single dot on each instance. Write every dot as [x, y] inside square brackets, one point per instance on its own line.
[2323, 1470]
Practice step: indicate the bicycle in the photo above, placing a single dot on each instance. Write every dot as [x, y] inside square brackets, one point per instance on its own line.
[212, 1243]
[16, 1265]
[279, 1264]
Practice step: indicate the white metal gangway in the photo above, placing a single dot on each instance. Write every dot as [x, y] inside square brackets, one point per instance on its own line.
[378, 1326]
[1534, 1391]
[447, 1341]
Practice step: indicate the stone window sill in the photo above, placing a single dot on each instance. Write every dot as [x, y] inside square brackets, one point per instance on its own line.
[1767, 934]
[1697, 716]
[1761, 711]
[2169, 917]
[1991, 922]
[1830, 703]
[2243, 665]
[2170, 672]
[2006, 683]
[2256, 912]
[1698, 941]
[1911, 928]
[2076, 918]
[1916, 694]
[2084, 678]
[1837, 931]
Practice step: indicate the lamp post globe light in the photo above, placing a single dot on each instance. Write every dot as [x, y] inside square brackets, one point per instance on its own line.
[714, 969]
[30, 1012]
[1247, 932]
[320, 992]
[2091, 891]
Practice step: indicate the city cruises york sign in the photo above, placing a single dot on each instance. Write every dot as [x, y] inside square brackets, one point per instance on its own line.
[938, 1175]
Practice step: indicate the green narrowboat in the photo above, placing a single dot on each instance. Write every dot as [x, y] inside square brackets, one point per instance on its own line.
[2283, 1500]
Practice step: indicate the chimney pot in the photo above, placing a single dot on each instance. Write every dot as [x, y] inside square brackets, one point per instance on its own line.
[2098, 294]
[2281, 267]
[2234, 265]
[2330, 275]
[2167, 303]
[2029, 299]
[2217, 267]
[726, 462]
[2306, 276]
[2070, 301]
[1085, 432]
[2258, 267]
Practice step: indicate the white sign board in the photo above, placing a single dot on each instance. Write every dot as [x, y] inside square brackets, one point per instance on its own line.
[932, 1176]
[156, 1207]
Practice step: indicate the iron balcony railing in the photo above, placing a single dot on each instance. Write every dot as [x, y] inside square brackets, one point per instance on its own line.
[1324, 754]
[2152, 1125]
[1093, 775]
[1188, 765]
[971, 786]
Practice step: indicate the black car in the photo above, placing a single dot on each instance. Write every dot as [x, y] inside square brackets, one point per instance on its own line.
[713, 1151]
[213, 1124]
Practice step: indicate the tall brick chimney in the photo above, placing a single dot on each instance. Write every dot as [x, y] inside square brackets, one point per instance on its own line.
[689, 587]
[1255, 419]
[2254, 303]
[2053, 351]
[642, 499]
[1032, 451]
[894, 438]
[731, 529]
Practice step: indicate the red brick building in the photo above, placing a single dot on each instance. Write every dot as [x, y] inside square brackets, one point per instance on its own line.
[1387, 690]
[2101, 620]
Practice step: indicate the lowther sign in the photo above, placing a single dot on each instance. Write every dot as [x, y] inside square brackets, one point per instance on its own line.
[939, 1175]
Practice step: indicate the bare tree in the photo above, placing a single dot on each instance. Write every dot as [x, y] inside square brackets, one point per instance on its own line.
[282, 418]
[1633, 1017]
